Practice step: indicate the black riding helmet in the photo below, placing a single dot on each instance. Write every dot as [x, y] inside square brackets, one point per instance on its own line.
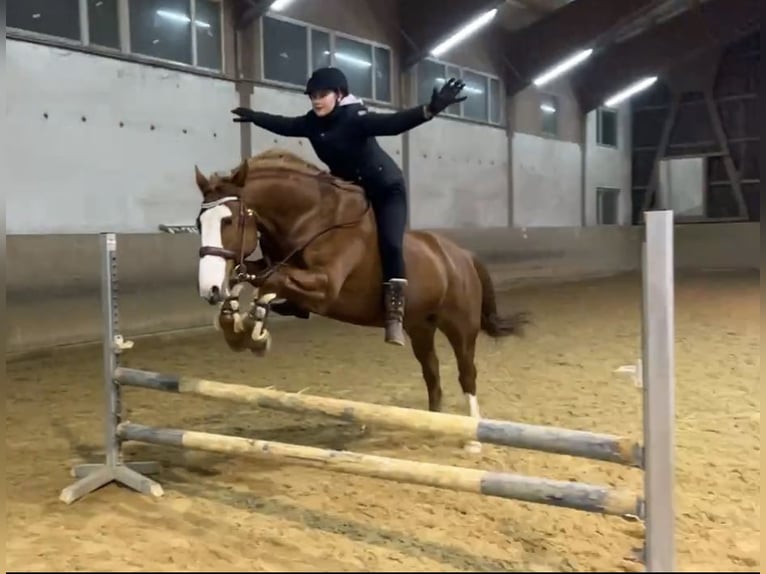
[327, 79]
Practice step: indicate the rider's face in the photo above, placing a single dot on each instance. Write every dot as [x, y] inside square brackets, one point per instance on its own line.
[323, 102]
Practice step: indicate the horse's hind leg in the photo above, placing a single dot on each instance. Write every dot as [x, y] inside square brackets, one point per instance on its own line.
[422, 337]
[462, 336]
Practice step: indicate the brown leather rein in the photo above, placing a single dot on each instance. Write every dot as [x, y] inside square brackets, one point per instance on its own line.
[239, 272]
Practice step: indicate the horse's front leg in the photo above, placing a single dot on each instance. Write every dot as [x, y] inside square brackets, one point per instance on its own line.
[311, 290]
[314, 289]
[230, 319]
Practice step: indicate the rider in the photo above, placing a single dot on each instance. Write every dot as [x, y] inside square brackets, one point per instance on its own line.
[342, 133]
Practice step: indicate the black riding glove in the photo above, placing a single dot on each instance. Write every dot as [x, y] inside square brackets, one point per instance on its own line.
[245, 114]
[447, 96]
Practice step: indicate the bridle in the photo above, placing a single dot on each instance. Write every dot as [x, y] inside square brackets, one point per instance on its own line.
[239, 273]
[245, 213]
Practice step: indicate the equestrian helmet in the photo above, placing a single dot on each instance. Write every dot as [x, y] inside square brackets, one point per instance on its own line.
[327, 79]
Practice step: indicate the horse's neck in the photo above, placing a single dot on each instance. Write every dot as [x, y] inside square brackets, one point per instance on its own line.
[290, 213]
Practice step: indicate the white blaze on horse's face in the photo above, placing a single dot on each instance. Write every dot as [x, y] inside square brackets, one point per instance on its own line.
[212, 268]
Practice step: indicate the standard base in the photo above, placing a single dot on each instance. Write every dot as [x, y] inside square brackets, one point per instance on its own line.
[144, 467]
[94, 476]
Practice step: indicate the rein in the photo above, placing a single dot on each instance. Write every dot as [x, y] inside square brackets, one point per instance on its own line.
[240, 269]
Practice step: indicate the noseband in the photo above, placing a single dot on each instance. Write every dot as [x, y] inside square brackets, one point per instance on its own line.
[245, 213]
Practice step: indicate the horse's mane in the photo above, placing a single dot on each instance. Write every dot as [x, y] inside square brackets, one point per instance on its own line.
[282, 160]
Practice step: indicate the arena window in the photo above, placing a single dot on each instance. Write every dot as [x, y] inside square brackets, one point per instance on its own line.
[180, 31]
[606, 127]
[291, 50]
[485, 100]
[549, 115]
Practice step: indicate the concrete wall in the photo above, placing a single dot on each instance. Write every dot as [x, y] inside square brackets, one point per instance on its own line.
[158, 273]
[555, 177]
[547, 170]
[129, 165]
[458, 175]
[607, 166]
[112, 153]
[547, 182]
[122, 176]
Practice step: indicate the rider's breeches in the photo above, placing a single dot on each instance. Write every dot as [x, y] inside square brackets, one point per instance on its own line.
[390, 207]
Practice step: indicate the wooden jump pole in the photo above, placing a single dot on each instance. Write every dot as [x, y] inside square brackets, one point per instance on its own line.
[579, 496]
[533, 437]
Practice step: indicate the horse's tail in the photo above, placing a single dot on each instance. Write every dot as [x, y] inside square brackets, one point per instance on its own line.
[491, 323]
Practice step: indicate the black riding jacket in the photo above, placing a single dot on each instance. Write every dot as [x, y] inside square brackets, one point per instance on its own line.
[345, 140]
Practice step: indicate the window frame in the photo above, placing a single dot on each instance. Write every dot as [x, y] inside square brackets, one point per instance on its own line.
[333, 34]
[600, 192]
[599, 125]
[556, 99]
[489, 77]
[124, 51]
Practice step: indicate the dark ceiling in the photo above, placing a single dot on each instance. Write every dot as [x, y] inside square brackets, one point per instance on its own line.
[631, 38]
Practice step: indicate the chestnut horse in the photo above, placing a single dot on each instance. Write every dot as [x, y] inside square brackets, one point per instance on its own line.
[319, 245]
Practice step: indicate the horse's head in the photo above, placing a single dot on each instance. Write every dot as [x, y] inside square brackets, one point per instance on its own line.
[228, 230]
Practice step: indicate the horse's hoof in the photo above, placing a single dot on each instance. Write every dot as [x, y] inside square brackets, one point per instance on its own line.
[472, 447]
[260, 344]
[236, 344]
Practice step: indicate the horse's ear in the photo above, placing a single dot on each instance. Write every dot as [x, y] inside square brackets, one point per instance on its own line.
[202, 183]
[240, 176]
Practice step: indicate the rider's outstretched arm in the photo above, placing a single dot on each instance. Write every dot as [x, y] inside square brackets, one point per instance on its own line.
[289, 126]
[375, 124]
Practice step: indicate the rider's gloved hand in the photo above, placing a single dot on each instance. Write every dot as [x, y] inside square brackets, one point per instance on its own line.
[244, 114]
[447, 96]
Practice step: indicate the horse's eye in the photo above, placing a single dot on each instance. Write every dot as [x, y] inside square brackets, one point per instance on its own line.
[226, 221]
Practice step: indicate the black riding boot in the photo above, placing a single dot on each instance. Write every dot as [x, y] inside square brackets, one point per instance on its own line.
[393, 294]
[289, 309]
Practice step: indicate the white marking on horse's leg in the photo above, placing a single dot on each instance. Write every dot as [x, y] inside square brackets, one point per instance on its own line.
[212, 269]
[473, 446]
[267, 298]
[260, 312]
[473, 406]
[231, 304]
[234, 303]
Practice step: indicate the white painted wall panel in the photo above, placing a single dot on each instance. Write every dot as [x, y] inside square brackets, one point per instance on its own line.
[458, 175]
[67, 175]
[547, 182]
[608, 166]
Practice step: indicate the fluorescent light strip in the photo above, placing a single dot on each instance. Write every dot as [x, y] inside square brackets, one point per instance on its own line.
[548, 109]
[469, 89]
[279, 5]
[563, 67]
[178, 17]
[631, 90]
[350, 59]
[464, 32]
